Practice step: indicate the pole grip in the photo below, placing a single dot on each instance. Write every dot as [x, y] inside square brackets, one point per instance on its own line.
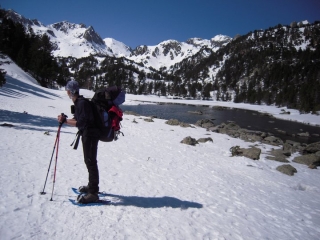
[64, 119]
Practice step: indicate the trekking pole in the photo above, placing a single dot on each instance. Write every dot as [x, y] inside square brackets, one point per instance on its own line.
[55, 144]
[55, 167]
[57, 150]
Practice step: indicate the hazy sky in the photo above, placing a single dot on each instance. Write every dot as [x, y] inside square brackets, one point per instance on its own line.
[149, 22]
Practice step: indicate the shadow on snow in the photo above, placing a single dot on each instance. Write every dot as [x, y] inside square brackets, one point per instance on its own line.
[27, 121]
[151, 202]
[14, 88]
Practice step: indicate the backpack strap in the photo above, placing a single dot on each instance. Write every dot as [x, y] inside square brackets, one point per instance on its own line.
[76, 140]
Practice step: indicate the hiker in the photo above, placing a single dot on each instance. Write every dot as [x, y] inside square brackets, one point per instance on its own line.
[84, 121]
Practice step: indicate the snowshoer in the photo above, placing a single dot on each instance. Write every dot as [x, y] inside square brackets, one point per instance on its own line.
[84, 121]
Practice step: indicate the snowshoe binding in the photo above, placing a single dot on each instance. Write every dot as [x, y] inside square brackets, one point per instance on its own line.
[88, 198]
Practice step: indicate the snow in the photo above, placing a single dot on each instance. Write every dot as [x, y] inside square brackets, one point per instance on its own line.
[161, 188]
[118, 48]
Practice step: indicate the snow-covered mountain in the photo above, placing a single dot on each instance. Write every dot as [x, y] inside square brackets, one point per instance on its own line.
[70, 39]
[78, 40]
[170, 52]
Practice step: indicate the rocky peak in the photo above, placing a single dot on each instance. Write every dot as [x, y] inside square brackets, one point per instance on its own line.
[219, 41]
[22, 20]
[140, 50]
[171, 45]
[65, 26]
[91, 36]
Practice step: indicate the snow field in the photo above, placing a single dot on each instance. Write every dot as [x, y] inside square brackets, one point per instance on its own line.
[159, 187]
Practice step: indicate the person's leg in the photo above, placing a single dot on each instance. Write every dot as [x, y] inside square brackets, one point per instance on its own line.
[90, 147]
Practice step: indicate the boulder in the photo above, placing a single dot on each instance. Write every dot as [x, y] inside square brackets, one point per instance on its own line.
[272, 140]
[287, 169]
[196, 112]
[182, 124]
[306, 134]
[6, 125]
[189, 141]
[309, 159]
[291, 147]
[173, 122]
[232, 126]
[148, 120]
[312, 148]
[205, 123]
[203, 140]
[250, 137]
[131, 113]
[277, 155]
[252, 153]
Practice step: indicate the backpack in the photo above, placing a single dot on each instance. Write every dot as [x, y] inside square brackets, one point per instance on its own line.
[108, 114]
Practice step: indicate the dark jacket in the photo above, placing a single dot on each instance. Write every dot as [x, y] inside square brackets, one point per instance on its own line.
[85, 118]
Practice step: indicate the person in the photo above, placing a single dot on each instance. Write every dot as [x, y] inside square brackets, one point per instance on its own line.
[84, 121]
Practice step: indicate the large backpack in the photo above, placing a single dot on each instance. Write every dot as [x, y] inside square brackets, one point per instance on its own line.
[108, 114]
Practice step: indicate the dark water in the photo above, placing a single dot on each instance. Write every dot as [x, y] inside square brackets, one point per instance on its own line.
[244, 118]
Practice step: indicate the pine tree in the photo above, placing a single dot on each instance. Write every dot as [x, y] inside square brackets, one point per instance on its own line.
[2, 77]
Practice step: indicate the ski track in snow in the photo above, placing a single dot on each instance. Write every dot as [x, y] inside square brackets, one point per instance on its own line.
[160, 188]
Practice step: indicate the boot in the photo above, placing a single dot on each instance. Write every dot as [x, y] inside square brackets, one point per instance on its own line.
[89, 198]
[83, 189]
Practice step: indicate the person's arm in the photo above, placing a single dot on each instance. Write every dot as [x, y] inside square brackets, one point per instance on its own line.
[71, 122]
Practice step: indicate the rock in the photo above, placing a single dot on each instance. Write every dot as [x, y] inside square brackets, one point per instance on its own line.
[277, 155]
[287, 169]
[196, 112]
[205, 123]
[173, 122]
[312, 166]
[252, 153]
[182, 124]
[291, 146]
[131, 113]
[250, 137]
[284, 112]
[189, 141]
[148, 120]
[272, 140]
[6, 125]
[281, 131]
[232, 126]
[203, 140]
[306, 134]
[312, 148]
[309, 159]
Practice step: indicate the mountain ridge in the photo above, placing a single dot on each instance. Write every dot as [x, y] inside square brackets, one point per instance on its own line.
[78, 40]
[278, 65]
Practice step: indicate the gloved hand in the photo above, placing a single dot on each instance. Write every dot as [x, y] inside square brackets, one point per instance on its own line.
[62, 118]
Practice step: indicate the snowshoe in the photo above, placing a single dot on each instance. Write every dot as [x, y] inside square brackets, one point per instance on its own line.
[88, 198]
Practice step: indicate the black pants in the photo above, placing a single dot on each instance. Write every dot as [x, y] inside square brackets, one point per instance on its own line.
[90, 148]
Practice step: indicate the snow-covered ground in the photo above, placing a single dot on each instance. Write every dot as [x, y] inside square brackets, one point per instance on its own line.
[160, 188]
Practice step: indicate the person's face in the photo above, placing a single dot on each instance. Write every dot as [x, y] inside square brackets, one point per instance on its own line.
[69, 94]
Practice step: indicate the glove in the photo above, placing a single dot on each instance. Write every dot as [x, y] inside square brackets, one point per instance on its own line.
[62, 118]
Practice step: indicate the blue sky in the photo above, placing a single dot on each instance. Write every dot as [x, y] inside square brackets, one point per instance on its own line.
[149, 22]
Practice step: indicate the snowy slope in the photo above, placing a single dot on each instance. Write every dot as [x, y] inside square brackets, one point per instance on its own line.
[119, 49]
[161, 189]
